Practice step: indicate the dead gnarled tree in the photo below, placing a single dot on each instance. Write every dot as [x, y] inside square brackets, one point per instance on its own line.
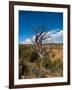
[41, 34]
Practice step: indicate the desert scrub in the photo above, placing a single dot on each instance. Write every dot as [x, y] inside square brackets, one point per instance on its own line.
[34, 56]
[45, 61]
[23, 69]
[55, 66]
[22, 49]
[31, 65]
[25, 53]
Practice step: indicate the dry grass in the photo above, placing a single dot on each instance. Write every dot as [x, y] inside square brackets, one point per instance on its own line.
[32, 66]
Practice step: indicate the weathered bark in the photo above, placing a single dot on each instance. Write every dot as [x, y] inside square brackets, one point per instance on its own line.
[40, 36]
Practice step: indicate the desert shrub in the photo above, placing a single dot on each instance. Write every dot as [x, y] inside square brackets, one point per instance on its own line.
[45, 61]
[55, 66]
[23, 68]
[34, 56]
[25, 53]
[58, 65]
[22, 48]
[24, 64]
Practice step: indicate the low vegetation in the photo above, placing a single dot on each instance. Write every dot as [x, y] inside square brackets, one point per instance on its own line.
[31, 65]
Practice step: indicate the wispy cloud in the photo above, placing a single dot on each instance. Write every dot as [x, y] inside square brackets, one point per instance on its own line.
[27, 41]
[56, 37]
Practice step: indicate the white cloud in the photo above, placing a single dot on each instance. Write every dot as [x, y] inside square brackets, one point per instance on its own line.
[56, 37]
[28, 41]
[33, 37]
[60, 33]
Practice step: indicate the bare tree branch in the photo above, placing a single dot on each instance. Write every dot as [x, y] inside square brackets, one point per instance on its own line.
[35, 30]
[33, 41]
[40, 35]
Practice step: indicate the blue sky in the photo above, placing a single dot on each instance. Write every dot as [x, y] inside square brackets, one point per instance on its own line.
[29, 19]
